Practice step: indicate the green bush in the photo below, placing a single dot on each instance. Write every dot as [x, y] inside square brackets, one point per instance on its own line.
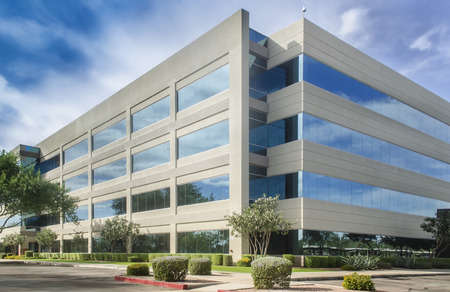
[249, 256]
[384, 265]
[4, 255]
[138, 270]
[200, 266]
[316, 261]
[217, 259]
[361, 262]
[170, 268]
[268, 272]
[29, 254]
[405, 262]
[227, 260]
[244, 262]
[9, 254]
[440, 263]
[152, 256]
[356, 281]
[334, 262]
[348, 268]
[134, 259]
[143, 257]
[290, 257]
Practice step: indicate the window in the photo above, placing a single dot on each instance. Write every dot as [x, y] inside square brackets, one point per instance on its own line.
[82, 212]
[77, 182]
[110, 208]
[152, 200]
[151, 114]
[202, 140]
[109, 135]
[110, 171]
[151, 157]
[76, 151]
[205, 87]
[47, 165]
[207, 190]
[152, 243]
[213, 241]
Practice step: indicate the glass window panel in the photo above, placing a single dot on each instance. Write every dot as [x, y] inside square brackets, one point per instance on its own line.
[158, 199]
[110, 171]
[202, 140]
[151, 114]
[212, 189]
[152, 243]
[109, 135]
[212, 241]
[151, 157]
[82, 212]
[110, 208]
[77, 182]
[76, 151]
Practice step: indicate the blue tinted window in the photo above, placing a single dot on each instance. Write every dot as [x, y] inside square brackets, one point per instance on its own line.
[76, 151]
[109, 135]
[151, 114]
[211, 241]
[205, 87]
[110, 208]
[48, 164]
[110, 171]
[257, 37]
[151, 157]
[202, 140]
[153, 200]
[77, 182]
[82, 212]
[211, 189]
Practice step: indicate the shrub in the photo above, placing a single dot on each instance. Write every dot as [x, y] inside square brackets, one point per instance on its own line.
[244, 262]
[384, 265]
[334, 262]
[405, 262]
[361, 262]
[170, 268]
[440, 263]
[55, 257]
[4, 255]
[9, 254]
[138, 270]
[217, 259]
[134, 259]
[152, 256]
[316, 261]
[227, 260]
[348, 268]
[200, 266]
[268, 272]
[29, 254]
[290, 257]
[355, 281]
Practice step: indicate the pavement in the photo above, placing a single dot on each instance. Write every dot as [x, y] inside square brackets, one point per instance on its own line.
[229, 281]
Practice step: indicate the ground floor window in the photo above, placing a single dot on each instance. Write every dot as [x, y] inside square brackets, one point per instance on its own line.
[152, 243]
[75, 245]
[101, 245]
[211, 241]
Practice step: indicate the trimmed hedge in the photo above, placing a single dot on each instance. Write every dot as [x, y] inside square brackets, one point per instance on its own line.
[200, 266]
[138, 270]
[227, 260]
[316, 261]
[244, 262]
[217, 259]
[29, 254]
[170, 268]
[268, 272]
[290, 257]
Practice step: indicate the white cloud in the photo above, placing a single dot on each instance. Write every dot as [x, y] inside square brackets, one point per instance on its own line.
[430, 39]
[354, 26]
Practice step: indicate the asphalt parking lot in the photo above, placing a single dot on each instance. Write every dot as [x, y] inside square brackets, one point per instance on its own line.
[36, 278]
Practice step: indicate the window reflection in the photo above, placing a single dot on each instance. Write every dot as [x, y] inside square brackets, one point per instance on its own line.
[151, 157]
[211, 189]
[205, 87]
[76, 151]
[77, 182]
[152, 243]
[110, 208]
[152, 200]
[109, 135]
[151, 114]
[202, 140]
[47, 165]
[110, 171]
[213, 241]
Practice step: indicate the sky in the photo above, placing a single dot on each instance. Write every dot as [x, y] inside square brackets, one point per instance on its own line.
[58, 59]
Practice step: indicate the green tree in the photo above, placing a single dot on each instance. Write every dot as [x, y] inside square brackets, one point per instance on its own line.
[13, 240]
[439, 227]
[257, 222]
[119, 229]
[321, 239]
[46, 238]
[25, 192]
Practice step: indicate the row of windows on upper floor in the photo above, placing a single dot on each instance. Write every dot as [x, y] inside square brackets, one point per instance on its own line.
[195, 92]
[305, 68]
[208, 138]
[311, 128]
[331, 189]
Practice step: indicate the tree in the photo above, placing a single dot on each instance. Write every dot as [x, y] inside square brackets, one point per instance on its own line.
[439, 227]
[257, 222]
[13, 240]
[25, 192]
[321, 239]
[46, 238]
[119, 229]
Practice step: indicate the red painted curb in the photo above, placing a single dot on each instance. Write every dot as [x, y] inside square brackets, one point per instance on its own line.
[153, 283]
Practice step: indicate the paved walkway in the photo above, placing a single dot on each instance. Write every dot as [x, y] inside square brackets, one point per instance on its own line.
[227, 281]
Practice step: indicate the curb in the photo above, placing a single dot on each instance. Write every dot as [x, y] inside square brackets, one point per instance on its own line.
[153, 283]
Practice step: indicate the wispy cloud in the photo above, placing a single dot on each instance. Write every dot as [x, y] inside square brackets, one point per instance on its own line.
[353, 27]
[430, 39]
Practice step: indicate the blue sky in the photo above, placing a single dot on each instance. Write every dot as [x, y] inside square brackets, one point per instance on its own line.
[58, 58]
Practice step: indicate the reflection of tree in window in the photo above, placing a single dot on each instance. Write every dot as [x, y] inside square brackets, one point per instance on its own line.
[152, 243]
[119, 206]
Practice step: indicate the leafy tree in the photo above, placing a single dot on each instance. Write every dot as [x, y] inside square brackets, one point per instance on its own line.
[367, 239]
[25, 192]
[321, 239]
[119, 229]
[439, 227]
[257, 222]
[46, 238]
[13, 240]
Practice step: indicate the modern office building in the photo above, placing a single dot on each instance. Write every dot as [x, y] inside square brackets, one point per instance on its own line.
[349, 145]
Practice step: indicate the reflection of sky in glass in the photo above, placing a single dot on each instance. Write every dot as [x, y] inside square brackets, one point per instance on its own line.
[211, 189]
[77, 182]
[151, 157]
[83, 212]
[320, 187]
[205, 139]
[110, 171]
[76, 151]
[110, 208]
[11, 222]
[151, 114]
[152, 200]
[109, 135]
[205, 87]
